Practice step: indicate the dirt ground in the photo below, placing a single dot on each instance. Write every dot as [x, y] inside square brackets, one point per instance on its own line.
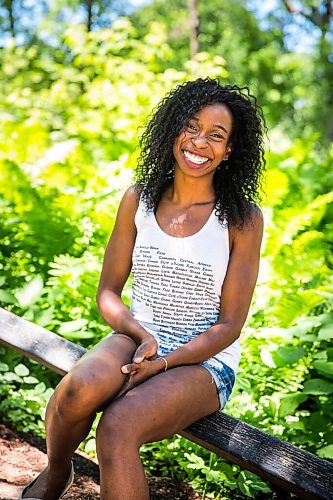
[23, 457]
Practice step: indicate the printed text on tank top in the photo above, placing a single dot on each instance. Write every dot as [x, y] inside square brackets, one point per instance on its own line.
[177, 281]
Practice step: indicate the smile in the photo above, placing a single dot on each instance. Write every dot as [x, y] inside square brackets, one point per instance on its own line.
[198, 160]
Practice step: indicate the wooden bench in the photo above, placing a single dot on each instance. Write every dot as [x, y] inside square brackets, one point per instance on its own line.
[283, 464]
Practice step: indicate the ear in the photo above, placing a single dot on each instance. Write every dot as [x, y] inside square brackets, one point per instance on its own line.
[227, 152]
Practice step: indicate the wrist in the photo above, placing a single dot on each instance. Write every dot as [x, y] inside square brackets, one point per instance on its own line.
[161, 364]
[139, 334]
[144, 336]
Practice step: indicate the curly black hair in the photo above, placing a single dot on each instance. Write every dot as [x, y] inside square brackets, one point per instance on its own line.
[237, 183]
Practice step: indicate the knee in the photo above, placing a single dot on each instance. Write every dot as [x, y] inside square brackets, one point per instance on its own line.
[76, 394]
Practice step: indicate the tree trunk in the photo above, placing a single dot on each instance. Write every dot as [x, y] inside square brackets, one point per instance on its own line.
[193, 8]
[326, 77]
[321, 16]
[89, 5]
[10, 9]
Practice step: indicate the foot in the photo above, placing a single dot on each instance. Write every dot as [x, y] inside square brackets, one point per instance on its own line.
[49, 486]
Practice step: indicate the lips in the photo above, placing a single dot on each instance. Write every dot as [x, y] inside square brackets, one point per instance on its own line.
[194, 160]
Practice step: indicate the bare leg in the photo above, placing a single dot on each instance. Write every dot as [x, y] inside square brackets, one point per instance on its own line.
[154, 410]
[91, 384]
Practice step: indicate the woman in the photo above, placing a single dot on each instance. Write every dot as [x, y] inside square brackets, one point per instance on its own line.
[191, 232]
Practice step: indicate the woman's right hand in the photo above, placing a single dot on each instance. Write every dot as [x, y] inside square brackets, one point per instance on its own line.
[146, 350]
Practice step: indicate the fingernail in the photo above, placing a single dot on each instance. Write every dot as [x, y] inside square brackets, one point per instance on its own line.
[124, 369]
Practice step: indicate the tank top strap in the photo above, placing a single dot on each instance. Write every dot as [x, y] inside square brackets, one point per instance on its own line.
[142, 214]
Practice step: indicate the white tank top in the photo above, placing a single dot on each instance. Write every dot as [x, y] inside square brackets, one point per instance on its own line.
[177, 282]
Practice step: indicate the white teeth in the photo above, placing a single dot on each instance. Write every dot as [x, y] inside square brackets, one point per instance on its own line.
[194, 158]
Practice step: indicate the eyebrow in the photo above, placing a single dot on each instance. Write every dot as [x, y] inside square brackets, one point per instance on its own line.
[221, 127]
[214, 124]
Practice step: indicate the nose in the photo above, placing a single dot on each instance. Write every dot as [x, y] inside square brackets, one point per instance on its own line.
[200, 141]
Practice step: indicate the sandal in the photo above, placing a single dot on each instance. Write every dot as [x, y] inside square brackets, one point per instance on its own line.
[68, 485]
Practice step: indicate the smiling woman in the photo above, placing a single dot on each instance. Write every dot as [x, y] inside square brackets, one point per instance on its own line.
[238, 176]
[190, 232]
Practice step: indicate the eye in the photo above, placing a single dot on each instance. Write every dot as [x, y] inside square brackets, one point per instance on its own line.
[216, 136]
[192, 126]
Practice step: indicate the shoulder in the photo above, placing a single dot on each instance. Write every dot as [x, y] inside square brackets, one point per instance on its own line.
[252, 229]
[128, 207]
[255, 220]
[131, 198]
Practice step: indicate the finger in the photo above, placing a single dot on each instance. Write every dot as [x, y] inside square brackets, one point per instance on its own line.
[138, 358]
[140, 354]
[144, 352]
[131, 368]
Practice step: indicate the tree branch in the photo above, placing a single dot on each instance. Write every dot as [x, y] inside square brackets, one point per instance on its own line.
[294, 10]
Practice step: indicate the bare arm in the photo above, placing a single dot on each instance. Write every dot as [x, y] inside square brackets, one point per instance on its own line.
[115, 271]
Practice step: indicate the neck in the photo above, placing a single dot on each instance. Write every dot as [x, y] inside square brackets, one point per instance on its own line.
[186, 191]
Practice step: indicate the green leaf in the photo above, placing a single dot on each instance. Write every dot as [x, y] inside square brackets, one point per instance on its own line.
[243, 383]
[6, 297]
[289, 403]
[30, 292]
[4, 367]
[326, 332]
[325, 318]
[90, 446]
[197, 462]
[11, 377]
[289, 355]
[317, 387]
[41, 387]
[30, 380]
[72, 326]
[48, 393]
[82, 334]
[324, 367]
[304, 325]
[244, 488]
[21, 370]
[326, 451]
[267, 358]
[44, 317]
[318, 421]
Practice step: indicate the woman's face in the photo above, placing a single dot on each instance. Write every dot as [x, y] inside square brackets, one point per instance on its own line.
[203, 143]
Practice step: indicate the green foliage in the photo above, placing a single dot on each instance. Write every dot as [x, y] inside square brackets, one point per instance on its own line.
[25, 388]
[285, 379]
[206, 472]
[69, 132]
[252, 56]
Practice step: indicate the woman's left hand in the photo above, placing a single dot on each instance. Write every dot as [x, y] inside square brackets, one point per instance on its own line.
[140, 372]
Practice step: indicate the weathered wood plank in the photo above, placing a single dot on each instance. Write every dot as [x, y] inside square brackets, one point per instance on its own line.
[289, 467]
[37, 343]
[277, 461]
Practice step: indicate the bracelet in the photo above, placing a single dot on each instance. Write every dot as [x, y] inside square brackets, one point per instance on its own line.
[166, 364]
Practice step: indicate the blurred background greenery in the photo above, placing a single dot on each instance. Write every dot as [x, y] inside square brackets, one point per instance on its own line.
[78, 79]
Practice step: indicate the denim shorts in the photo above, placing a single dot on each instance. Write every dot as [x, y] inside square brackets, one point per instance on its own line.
[224, 378]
